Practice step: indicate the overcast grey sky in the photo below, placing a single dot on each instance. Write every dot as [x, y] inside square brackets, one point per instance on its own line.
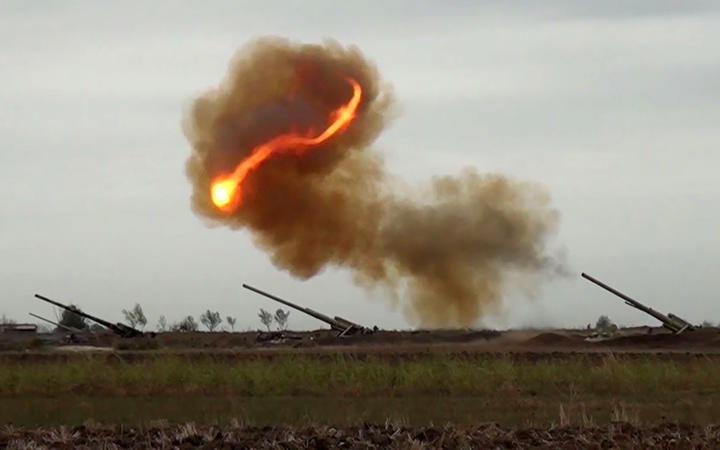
[613, 105]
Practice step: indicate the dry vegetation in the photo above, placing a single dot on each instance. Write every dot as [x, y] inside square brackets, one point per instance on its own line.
[548, 391]
[391, 436]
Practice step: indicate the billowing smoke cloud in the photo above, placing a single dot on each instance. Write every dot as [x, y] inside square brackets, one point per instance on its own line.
[443, 251]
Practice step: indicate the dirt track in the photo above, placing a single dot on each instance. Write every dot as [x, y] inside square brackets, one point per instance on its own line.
[618, 435]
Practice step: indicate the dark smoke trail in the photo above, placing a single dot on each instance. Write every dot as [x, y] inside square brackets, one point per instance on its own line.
[451, 246]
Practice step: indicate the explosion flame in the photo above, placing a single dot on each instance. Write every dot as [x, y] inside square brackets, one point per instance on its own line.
[442, 251]
[225, 190]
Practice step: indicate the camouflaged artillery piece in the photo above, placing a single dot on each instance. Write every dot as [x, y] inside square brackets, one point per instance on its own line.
[670, 321]
[120, 329]
[344, 327]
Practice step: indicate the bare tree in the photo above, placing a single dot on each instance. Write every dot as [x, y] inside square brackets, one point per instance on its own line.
[162, 324]
[210, 319]
[187, 324]
[281, 318]
[603, 323]
[5, 320]
[266, 318]
[135, 316]
[605, 326]
[231, 321]
[130, 317]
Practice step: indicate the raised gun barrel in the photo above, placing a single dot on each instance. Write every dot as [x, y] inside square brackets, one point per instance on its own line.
[59, 325]
[120, 329]
[670, 321]
[343, 326]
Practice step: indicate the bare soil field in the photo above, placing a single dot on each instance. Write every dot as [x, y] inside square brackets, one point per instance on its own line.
[616, 435]
[522, 344]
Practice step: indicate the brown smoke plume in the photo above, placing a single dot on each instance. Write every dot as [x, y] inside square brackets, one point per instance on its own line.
[443, 251]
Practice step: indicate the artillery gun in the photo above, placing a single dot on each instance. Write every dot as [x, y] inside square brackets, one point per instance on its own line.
[670, 321]
[120, 329]
[344, 327]
[58, 325]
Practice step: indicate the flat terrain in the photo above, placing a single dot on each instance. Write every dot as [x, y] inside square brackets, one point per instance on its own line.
[526, 388]
[631, 340]
[348, 376]
[342, 389]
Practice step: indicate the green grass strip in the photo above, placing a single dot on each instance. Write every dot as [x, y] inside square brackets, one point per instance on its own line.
[297, 375]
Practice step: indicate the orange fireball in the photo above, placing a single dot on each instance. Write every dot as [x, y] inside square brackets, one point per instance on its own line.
[226, 191]
[222, 193]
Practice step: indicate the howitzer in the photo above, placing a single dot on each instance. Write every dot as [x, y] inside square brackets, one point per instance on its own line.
[120, 329]
[59, 325]
[672, 322]
[344, 327]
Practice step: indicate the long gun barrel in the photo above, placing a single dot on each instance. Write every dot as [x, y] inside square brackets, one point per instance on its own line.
[118, 328]
[670, 321]
[59, 325]
[338, 323]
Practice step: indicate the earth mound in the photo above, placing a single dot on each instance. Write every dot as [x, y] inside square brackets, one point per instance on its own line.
[555, 340]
